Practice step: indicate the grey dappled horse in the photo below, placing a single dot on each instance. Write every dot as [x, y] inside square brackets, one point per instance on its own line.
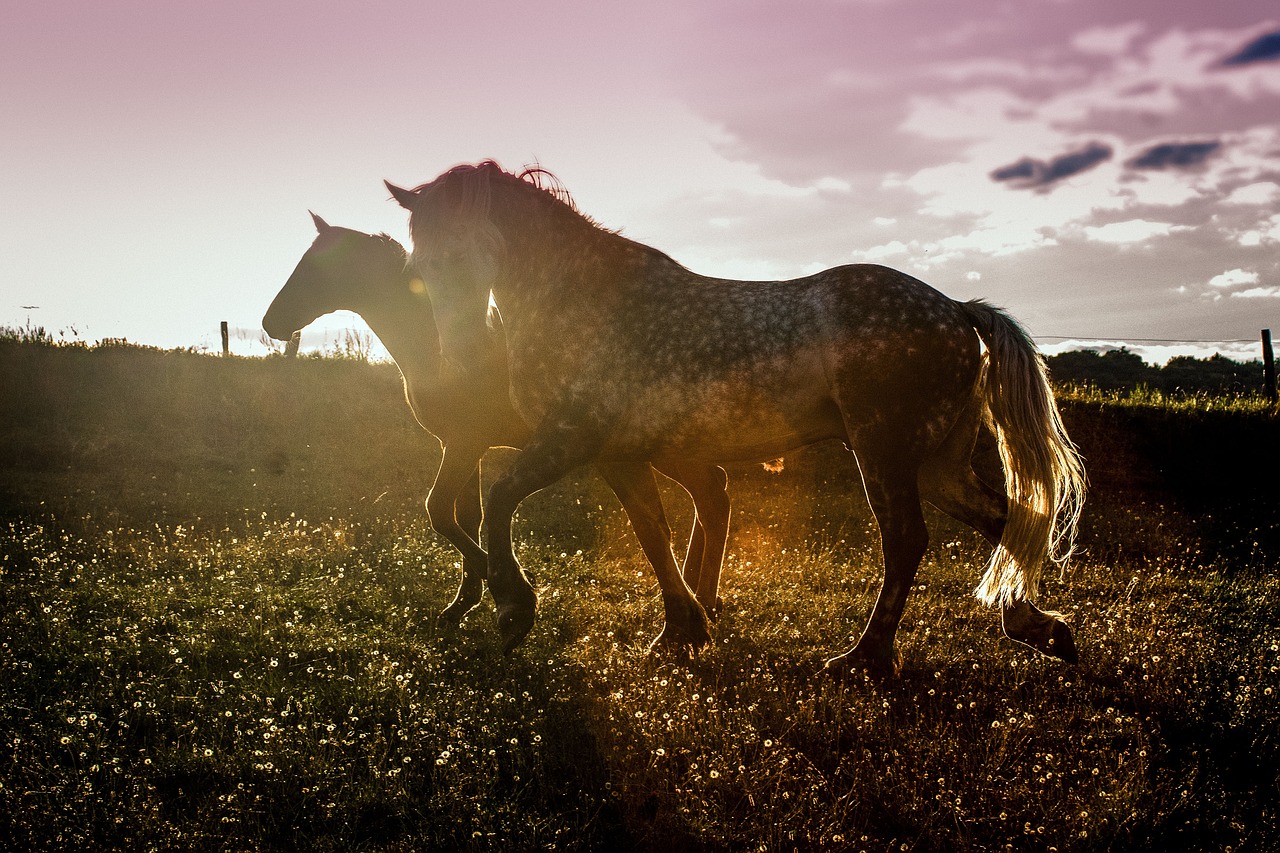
[616, 350]
[367, 273]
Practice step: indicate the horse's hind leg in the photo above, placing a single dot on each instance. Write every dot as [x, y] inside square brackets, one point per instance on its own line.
[948, 481]
[1046, 632]
[708, 487]
[895, 499]
[969, 500]
[686, 620]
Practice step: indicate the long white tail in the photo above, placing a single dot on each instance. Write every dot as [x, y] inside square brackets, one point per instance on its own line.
[1043, 472]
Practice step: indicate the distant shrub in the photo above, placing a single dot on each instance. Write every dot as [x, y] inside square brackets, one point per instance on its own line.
[27, 334]
[1121, 369]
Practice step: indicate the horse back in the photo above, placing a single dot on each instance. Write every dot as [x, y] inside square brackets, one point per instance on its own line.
[679, 361]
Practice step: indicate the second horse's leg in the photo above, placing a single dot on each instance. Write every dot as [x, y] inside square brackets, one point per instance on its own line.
[453, 509]
[708, 487]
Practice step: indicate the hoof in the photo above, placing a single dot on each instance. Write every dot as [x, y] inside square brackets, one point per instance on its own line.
[681, 642]
[514, 624]
[666, 649]
[1062, 645]
[686, 623]
[1047, 633]
[452, 616]
[713, 610]
[879, 665]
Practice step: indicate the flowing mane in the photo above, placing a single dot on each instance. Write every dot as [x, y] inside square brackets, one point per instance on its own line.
[393, 242]
[474, 179]
[457, 209]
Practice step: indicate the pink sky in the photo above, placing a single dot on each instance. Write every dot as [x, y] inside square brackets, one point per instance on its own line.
[1104, 170]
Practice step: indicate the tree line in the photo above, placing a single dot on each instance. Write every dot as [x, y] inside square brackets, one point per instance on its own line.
[1121, 369]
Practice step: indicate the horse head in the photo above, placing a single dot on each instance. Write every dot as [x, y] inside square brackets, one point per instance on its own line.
[343, 269]
[459, 253]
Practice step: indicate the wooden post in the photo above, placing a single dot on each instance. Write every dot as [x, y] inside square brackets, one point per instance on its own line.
[291, 348]
[226, 339]
[1268, 367]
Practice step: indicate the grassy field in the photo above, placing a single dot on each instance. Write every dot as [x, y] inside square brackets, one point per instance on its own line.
[218, 594]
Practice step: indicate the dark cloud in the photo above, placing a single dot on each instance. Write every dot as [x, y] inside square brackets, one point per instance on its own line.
[1026, 168]
[1028, 173]
[1265, 48]
[1175, 155]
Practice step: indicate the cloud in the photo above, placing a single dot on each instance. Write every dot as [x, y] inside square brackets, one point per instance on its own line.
[1036, 174]
[1179, 155]
[1260, 193]
[1267, 231]
[875, 254]
[1108, 41]
[1259, 293]
[1234, 278]
[1265, 48]
[1132, 231]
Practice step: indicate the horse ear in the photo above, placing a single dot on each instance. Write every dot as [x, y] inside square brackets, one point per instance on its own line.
[321, 225]
[406, 198]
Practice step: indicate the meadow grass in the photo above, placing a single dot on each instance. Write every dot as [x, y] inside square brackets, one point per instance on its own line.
[218, 595]
[1177, 401]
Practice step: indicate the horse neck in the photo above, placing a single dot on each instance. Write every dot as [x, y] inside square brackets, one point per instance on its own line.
[561, 244]
[407, 328]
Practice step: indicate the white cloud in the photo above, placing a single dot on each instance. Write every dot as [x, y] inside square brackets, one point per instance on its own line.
[1109, 41]
[835, 185]
[1132, 231]
[1127, 233]
[1259, 292]
[970, 115]
[988, 68]
[879, 253]
[1234, 278]
[1267, 231]
[1149, 82]
[1164, 188]
[1262, 192]
[1007, 239]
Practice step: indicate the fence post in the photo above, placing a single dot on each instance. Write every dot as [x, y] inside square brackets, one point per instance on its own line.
[1268, 367]
[226, 339]
[291, 348]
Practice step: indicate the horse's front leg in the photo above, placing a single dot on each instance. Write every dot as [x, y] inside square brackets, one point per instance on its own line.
[686, 620]
[453, 509]
[555, 449]
[895, 501]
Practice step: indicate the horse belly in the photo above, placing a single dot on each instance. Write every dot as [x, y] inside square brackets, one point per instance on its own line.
[725, 420]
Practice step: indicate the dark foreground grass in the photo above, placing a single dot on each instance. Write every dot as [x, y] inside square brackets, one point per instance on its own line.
[218, 633]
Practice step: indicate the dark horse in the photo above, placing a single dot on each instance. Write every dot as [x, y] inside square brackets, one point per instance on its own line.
[616, 350]
[368, 274]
